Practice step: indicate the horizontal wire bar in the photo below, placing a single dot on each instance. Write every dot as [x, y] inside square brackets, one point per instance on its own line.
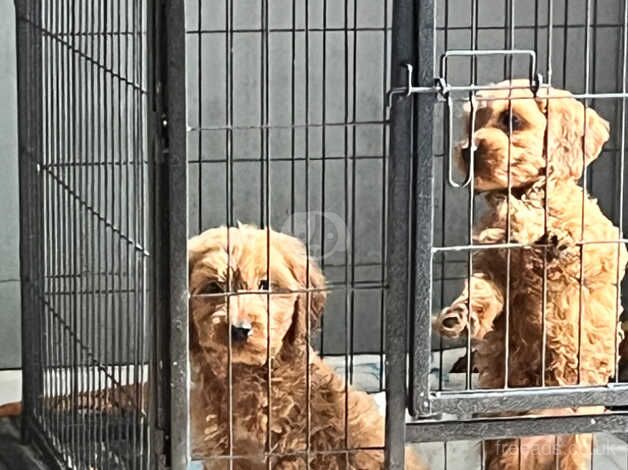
[525, 398]
[494, 428]
[325, 158]
[331, 287]
[380, 29]
[312, 125]
[292, 453]
[502, 246]
[526, 27]
[92, 164]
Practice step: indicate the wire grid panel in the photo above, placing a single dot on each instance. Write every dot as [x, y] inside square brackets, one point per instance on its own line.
[85, 228]
[579, 46]
[287, 128]
[300, 93]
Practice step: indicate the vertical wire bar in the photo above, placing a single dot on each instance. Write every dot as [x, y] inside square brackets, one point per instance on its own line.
[346, 218]
[354, 162]
[120, 146]
[67, 416]
[292, 115]
[199, 116]
[60, 283]
[101, 132]
[565, 41]
[109, 215]
[73, 159]
[323, 164]
[384, 207]
[550, 40]
[55, 280]
[44, 340]
[77, 90]
[125, 173]
[443, 217]
[92, 311]
[124, 283]
[138, 214]
[62, 430]
[229, 213]
[308, 298]
[138, 193]
[46, 410]
[587, 64]
[86, 304]
[473, 73]
[266, 189]
[68, 284]
[132, 312]
[510, 41]
[146, 320]
[546, 137]
[620, 202]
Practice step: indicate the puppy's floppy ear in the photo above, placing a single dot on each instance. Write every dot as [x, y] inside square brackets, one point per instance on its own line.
[572, 144]
[306, 271]
[597, 134]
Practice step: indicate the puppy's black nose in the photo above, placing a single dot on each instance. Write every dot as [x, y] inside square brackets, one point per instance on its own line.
[239, 334]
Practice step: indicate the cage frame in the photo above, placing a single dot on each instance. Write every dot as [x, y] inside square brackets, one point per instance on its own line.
[409, 255]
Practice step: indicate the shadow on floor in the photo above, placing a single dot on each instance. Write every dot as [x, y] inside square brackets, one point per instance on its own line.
[13, 454]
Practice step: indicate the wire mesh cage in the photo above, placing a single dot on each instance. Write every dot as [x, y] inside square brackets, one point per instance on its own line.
[86, 238]
[287, 129]
[309, 148]
[481, 240]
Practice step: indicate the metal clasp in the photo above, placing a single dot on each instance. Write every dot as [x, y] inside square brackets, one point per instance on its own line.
[438, 86]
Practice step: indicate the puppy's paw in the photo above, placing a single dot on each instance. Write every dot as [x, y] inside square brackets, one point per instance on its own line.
[558, 244]
[453, 320]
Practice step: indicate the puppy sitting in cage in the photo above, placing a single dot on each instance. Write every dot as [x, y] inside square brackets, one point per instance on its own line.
[256, 295]
[554, 312]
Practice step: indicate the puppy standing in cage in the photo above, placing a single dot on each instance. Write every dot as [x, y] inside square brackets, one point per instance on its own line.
[550, 304]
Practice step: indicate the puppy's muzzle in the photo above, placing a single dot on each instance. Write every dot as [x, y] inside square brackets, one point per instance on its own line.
[241, 332]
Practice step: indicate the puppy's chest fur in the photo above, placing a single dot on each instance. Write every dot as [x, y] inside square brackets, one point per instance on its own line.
[250, 396]
[547, 286]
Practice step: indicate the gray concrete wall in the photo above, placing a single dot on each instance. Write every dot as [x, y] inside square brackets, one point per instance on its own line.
[9, 225]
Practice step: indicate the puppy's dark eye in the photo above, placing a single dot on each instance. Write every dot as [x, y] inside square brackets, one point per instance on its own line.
[263, 284]
[506, 120]
[211, 288]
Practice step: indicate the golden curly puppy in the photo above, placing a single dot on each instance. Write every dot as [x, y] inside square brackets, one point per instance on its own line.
[553, 137]
[266, 319]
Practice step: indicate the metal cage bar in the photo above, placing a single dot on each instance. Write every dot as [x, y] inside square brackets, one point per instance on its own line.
[399, 242]
[170, 229]
[86, 236]
[29, 57]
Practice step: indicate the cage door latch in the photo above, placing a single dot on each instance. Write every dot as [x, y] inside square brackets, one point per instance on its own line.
[439, 87]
